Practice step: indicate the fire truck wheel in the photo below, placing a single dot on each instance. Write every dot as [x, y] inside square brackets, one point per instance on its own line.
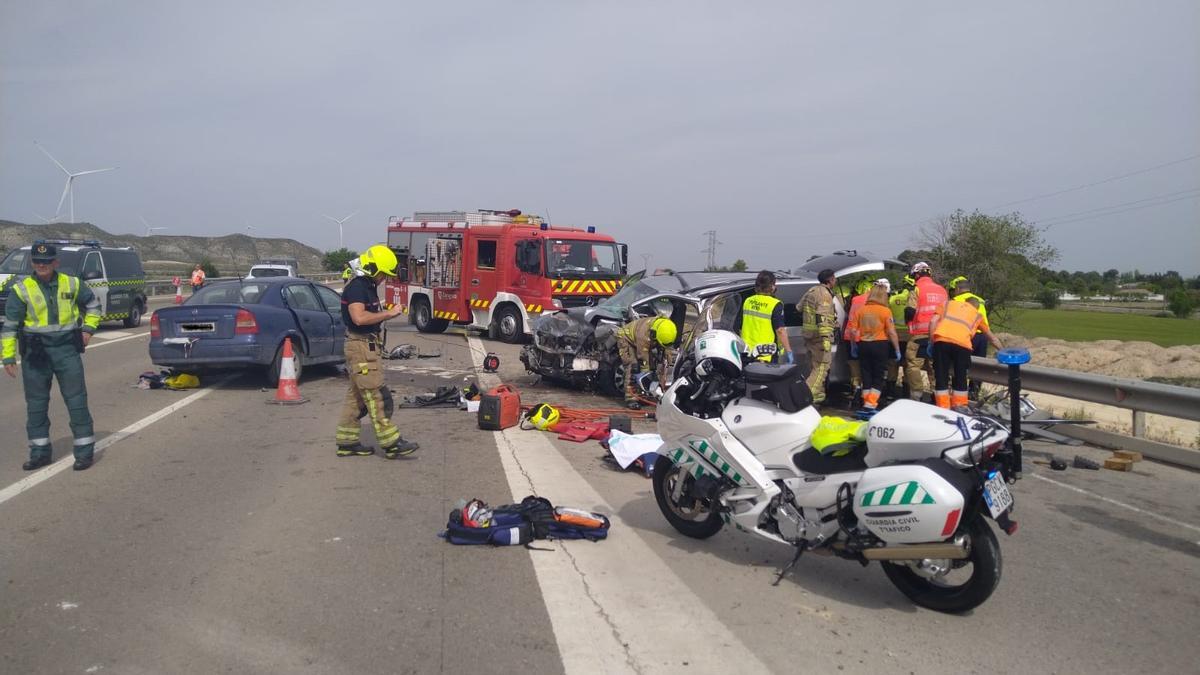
[508, 324]
[422, 318]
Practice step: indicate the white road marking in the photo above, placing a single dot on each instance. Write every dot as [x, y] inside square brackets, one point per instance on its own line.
[110, 334]
[615, 606]
[107, 342]
[66, 462]
[1123, 505]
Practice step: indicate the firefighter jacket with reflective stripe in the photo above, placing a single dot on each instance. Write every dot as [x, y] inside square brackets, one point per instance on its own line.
[963, 297]
[929, 298]
[639, 335]
[50, 309]
[817, 312]
[756, 322]
[957, 323]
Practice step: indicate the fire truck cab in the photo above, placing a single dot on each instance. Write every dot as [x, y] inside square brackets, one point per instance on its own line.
[497, 271]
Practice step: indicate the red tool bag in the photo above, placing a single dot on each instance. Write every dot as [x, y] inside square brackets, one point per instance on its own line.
[500, 408]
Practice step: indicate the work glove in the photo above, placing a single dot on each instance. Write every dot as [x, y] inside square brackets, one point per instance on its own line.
[899, 356]
[929, 349]
[854, 350]
[789, 357]
[826, 345]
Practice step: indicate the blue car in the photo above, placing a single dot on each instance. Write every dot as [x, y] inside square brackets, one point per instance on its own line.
[242, 324]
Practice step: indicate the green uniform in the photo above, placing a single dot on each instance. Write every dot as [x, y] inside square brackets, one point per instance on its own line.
[45, 317]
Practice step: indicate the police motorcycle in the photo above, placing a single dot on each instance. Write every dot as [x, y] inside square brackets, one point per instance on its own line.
[914, 494]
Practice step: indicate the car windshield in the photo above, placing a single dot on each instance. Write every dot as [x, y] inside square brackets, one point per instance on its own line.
[17, 262]
[230, 293]
[638, 287]
[567, 257]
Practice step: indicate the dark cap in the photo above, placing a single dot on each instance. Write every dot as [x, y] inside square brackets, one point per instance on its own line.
[43, 253]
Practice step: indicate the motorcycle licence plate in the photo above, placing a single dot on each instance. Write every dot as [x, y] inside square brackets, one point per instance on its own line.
[996, 494]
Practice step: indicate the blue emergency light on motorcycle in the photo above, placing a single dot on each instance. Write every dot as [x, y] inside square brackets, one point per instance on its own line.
[1013, 356]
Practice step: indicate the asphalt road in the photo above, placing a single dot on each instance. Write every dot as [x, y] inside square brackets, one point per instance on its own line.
[223, 535]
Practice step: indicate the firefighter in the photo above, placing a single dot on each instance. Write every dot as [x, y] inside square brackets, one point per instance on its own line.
[644, 344]
[52, 316]
[952, 328]
[923, 303]
[363, 315]
[960, 289]
[819, 318]
[861, 290]
[762, 319]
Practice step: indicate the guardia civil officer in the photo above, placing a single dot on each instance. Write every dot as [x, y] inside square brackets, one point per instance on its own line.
[762, 319]
[51, 316]
[364, 349]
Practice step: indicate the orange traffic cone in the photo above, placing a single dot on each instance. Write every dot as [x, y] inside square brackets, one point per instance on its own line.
[288, 392]
[178, 294]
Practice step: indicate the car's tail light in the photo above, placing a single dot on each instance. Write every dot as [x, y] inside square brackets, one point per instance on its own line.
[245, 323]
[155, 328]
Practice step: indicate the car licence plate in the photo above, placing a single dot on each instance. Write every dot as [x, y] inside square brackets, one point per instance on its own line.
[996, 494]
[197, 327]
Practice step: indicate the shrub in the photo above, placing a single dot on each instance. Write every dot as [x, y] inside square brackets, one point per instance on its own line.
[1181, 304]
[1048, 298]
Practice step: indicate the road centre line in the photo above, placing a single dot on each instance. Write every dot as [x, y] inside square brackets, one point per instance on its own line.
[105, 342]
[66, 462]
[615, 606]
[1123, 505]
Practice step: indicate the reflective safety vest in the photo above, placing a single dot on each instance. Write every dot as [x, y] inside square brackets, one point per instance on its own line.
[963, 297]
[957, 324]
[756, 322]
[930, 297]
[897, 303]
[37, 318]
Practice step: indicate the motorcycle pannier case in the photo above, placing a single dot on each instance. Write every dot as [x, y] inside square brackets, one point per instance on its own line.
[911, 503]
[500, 408]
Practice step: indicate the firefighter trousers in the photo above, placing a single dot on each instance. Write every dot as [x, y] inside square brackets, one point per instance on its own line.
[918, 368]
[365, 391]
[819, 356]
[62, 362]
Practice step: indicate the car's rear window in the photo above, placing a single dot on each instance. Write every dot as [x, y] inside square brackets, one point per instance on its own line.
[229, 293]
[269, 272]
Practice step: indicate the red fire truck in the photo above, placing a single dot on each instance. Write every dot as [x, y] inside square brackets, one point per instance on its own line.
[497, 271]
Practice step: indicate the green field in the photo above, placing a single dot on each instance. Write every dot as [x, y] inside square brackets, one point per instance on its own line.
[1084, 326]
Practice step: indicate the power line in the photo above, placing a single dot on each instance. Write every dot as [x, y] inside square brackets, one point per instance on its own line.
[712, 248]
[1050, 220]
[1095, 183]
[1132, 208]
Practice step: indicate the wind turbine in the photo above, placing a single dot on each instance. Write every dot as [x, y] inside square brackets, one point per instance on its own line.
[340, 223]
[67, 189]
[148, 228]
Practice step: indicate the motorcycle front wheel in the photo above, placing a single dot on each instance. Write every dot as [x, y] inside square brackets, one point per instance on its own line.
[690, 516]
[966, 586]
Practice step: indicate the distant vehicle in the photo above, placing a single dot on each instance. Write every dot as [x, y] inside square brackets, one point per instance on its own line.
[115, 275]
[261, 271]
[242, 324]
[497, 271]
[579, 346]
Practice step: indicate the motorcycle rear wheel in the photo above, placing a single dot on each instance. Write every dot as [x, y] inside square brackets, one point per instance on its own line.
[695, 520]
[947, 596]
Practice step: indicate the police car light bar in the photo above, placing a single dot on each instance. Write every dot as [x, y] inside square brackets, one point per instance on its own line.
[69, 242]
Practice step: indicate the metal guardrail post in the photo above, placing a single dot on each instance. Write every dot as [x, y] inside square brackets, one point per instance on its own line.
[1139, 424]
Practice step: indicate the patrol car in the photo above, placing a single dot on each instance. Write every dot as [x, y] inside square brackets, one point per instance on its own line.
[114, 274]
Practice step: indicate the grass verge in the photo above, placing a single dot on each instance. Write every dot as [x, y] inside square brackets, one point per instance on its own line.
[1081, 326]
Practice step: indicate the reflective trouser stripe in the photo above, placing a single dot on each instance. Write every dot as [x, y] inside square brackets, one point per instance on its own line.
[385, 432]
[39, 442]
[86, 440]
[347, 435]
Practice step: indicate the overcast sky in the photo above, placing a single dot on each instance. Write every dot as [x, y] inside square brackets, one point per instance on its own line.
[790, 128]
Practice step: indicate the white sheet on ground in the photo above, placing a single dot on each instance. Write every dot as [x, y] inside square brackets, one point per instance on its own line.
[628, 447]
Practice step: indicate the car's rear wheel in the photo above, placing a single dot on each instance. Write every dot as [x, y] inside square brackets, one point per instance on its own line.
[277, 365]
[135, 316]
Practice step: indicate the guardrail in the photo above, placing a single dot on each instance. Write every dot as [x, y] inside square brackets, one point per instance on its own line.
[165, 287]
[1137, 396]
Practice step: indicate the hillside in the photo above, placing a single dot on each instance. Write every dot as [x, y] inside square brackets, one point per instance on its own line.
[169, 254]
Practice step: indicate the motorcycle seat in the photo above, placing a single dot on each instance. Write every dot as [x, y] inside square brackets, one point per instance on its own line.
[769, 373]
[840, 458]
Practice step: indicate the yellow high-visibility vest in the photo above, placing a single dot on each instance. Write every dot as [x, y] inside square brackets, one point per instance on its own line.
[756, 322]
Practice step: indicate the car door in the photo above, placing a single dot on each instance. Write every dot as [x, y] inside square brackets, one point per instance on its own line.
[333, 304]
[312, 319]
[92, 272]
[120, 291]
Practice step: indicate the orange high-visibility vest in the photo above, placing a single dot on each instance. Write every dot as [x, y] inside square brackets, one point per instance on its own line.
[957, 324]
[856, 305]
[930, 297]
